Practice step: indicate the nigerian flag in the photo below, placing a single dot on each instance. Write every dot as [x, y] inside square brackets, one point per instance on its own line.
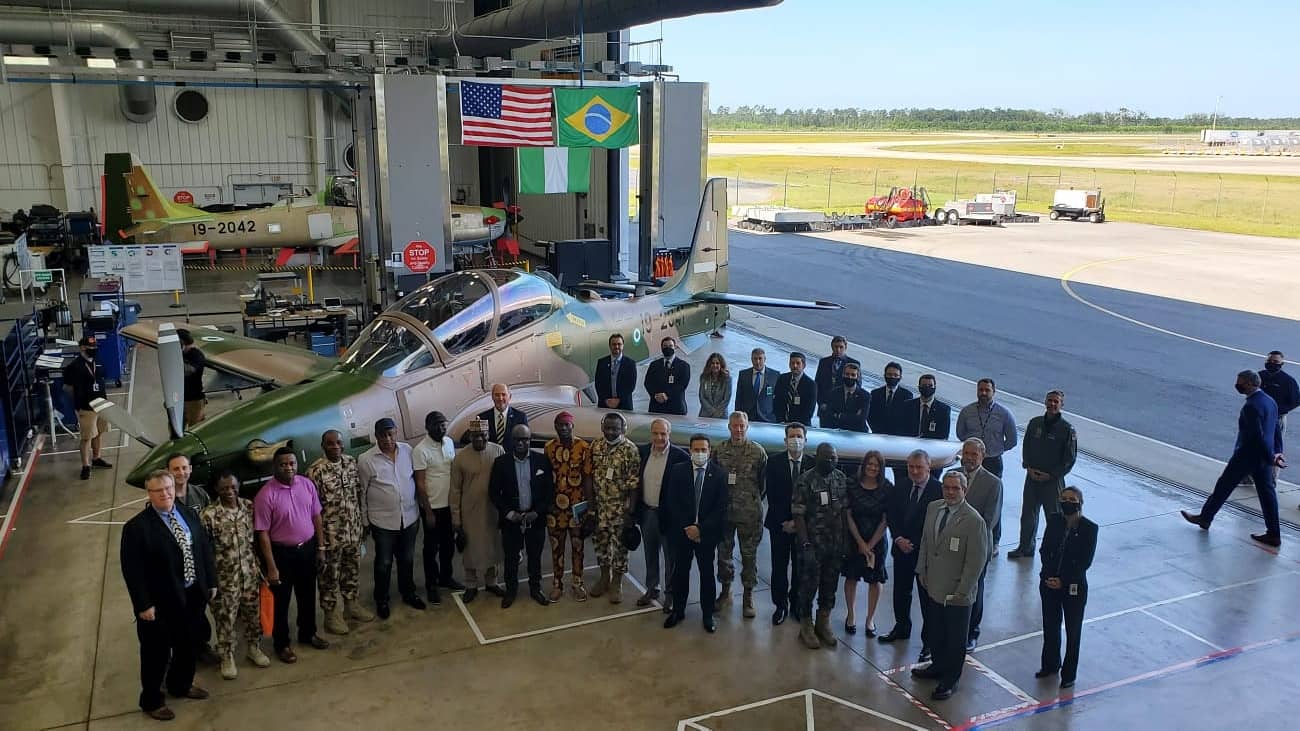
[554, 170]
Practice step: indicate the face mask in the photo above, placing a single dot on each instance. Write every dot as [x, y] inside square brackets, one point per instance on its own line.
[669, 352]
[1272, 367]
[92, 352]
[892, 381]
[825, 468]
[1070, 508]
[699, 459]
[1240, 389]
[794, 444]
[850, 382]
[926, 391]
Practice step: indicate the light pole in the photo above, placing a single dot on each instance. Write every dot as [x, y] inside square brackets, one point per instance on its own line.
[1214, 121]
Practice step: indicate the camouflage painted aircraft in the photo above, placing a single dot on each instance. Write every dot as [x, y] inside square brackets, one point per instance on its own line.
[328, 219]
[442, 346]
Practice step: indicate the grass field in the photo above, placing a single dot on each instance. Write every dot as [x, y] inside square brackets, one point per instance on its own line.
[1046, 148]
[773, 137]
[1247, 204]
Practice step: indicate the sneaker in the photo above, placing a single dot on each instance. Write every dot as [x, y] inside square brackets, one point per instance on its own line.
[99, 464]
[85, 473]
[257, 657]
[579, 593]
[228, 669]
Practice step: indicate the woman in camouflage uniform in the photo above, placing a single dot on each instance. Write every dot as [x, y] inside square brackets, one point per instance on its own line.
[229, 523]
[571, 461]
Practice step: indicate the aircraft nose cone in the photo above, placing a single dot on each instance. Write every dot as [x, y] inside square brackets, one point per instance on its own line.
[156, 459]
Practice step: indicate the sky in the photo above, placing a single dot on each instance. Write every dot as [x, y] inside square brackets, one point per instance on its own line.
[1164, 58]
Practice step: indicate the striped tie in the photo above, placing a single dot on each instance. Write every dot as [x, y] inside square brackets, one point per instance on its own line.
[187, 551]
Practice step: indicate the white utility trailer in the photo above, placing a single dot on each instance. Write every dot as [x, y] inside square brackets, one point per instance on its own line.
[1075, 204]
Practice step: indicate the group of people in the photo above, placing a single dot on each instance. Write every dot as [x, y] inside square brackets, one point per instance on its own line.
[496, 501]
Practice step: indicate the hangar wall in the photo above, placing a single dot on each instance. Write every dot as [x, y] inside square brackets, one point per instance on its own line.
[29, 148]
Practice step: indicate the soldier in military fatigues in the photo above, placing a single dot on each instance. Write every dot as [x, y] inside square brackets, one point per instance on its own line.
[229, 523]
[616, 474]
[746, 466]
[819, 505]
[571, 462]
[337, 571]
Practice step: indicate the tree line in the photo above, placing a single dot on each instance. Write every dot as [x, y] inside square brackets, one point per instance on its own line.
[998, 119]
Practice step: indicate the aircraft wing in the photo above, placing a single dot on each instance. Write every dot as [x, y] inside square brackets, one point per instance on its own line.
[256, 360]
[729, 298]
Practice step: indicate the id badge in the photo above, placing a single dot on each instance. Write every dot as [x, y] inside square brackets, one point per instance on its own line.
[932, 427]
[768, 391]
[609, 473]
[95, 387]
[731, 478]
[1074, 590]
[824, 498]
[954, 544]
[795, 400]
[671, 380]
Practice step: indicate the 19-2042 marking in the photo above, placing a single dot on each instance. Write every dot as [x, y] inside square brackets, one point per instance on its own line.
[224, 227]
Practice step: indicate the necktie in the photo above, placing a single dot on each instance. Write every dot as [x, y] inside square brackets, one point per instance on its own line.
[916, 495]
[501, 428]
[794, 471]
[187, 551]
[925, 416]
[943, 519]
[613, 375]
[758, 383]
[699, 490]
[889, 396]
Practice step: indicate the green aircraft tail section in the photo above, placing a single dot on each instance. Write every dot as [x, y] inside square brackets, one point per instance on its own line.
[146, 203]
[706, 268]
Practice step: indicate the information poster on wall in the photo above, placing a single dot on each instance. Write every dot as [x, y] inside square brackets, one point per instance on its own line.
[141, 267]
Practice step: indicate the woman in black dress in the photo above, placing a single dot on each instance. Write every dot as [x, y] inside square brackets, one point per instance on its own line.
[866, 560]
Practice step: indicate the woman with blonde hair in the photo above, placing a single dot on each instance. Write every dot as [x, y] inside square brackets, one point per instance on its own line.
[715, 388]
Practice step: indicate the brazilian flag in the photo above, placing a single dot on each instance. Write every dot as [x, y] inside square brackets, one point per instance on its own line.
[604, 116]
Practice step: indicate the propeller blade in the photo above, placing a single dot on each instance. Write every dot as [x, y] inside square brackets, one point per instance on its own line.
[122, 419]
[171, 366]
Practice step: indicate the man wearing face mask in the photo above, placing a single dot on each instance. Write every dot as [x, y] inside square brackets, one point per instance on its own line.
[693, 509]
[783, 471]
[847, 406]
[888, 411]
[984, 493]
[820, 510]
[83, 379]
[616, 475]
[1282, 388]
[1257, 451]
[796, 394]
[522, 490]
[746, 466]
[931, 417]
[1048, 455]
[830, 375]
[666, 380]
[1069, 543]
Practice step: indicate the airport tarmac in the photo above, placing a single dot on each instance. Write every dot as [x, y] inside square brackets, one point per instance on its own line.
[1174, 611]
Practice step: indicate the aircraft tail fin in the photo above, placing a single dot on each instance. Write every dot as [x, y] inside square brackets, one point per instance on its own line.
[146, 203]
[706, 268]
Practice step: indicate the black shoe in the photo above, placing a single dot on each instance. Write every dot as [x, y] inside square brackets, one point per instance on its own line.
[893, 636]
[1268, 539]
[452, 584]
[99, 464]
[495, 590]
[668, 604]
[870, 631]
[1045, 672]
[434, 598]
[85, 473]
[970, 645]
[943, 692]
[850, 628]
[415, 602]
[469, 595]
[538, 596]
[382, 610]
[925, 654]
[508, 599]
[318, 642]
[778, 617]
[1015, 555]
[673, 620]
[1067, 683]
[926, 673]
[1195, 519]
[710, 625]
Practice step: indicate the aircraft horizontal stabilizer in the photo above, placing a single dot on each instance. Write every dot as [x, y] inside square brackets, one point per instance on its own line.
[729, 298]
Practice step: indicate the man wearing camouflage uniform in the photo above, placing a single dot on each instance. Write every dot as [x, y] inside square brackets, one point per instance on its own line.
[571, 463]
[819, 507]
[229, 523]
[616, 474]
[746, 466]
[339, 488]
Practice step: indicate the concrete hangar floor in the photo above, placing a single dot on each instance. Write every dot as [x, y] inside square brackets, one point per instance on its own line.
[1179, 621]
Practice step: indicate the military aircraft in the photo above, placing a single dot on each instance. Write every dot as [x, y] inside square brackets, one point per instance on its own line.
[442, 346]
[327, 219]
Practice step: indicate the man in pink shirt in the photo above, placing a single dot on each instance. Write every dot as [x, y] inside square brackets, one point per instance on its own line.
[286, 518]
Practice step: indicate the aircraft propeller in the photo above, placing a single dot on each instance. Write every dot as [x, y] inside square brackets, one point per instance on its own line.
[171, 367]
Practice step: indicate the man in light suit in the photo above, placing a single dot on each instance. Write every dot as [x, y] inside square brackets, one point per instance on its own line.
[615, 377]
[984, 493]
[500, 419]
[694, 509]
[756, 388]
[954, 550]
[521, 487]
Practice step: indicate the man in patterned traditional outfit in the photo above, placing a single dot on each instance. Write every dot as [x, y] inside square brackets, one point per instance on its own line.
[571, 462]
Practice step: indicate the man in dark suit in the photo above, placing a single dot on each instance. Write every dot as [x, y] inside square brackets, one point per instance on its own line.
[756, 389]
[926, 416]
[168, 566]
[501, 420]
[658, 459]
[796, 394]
[615, 377]
[829, 372]
[666, 380]
[521, 487]
[847, 406]
[782, 471]
[888, 411]
[694, 509]
[1258, 449]
[906, 518]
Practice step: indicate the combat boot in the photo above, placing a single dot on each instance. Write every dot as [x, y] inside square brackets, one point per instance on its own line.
[616, 588]
[334, 622]
[748, 605]
[228, 669]
[601, 584]
[724, 598]
[807, 635]
[358, 612]
[256, 656]
[823, 628]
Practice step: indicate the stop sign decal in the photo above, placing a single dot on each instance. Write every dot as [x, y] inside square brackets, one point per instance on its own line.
[419, 257]
[184, 197]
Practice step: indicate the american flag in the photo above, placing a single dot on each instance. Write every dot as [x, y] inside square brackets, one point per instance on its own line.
[497, 115]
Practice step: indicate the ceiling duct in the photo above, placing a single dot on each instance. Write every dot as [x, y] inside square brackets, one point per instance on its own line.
[527, 21]
[139, 103]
